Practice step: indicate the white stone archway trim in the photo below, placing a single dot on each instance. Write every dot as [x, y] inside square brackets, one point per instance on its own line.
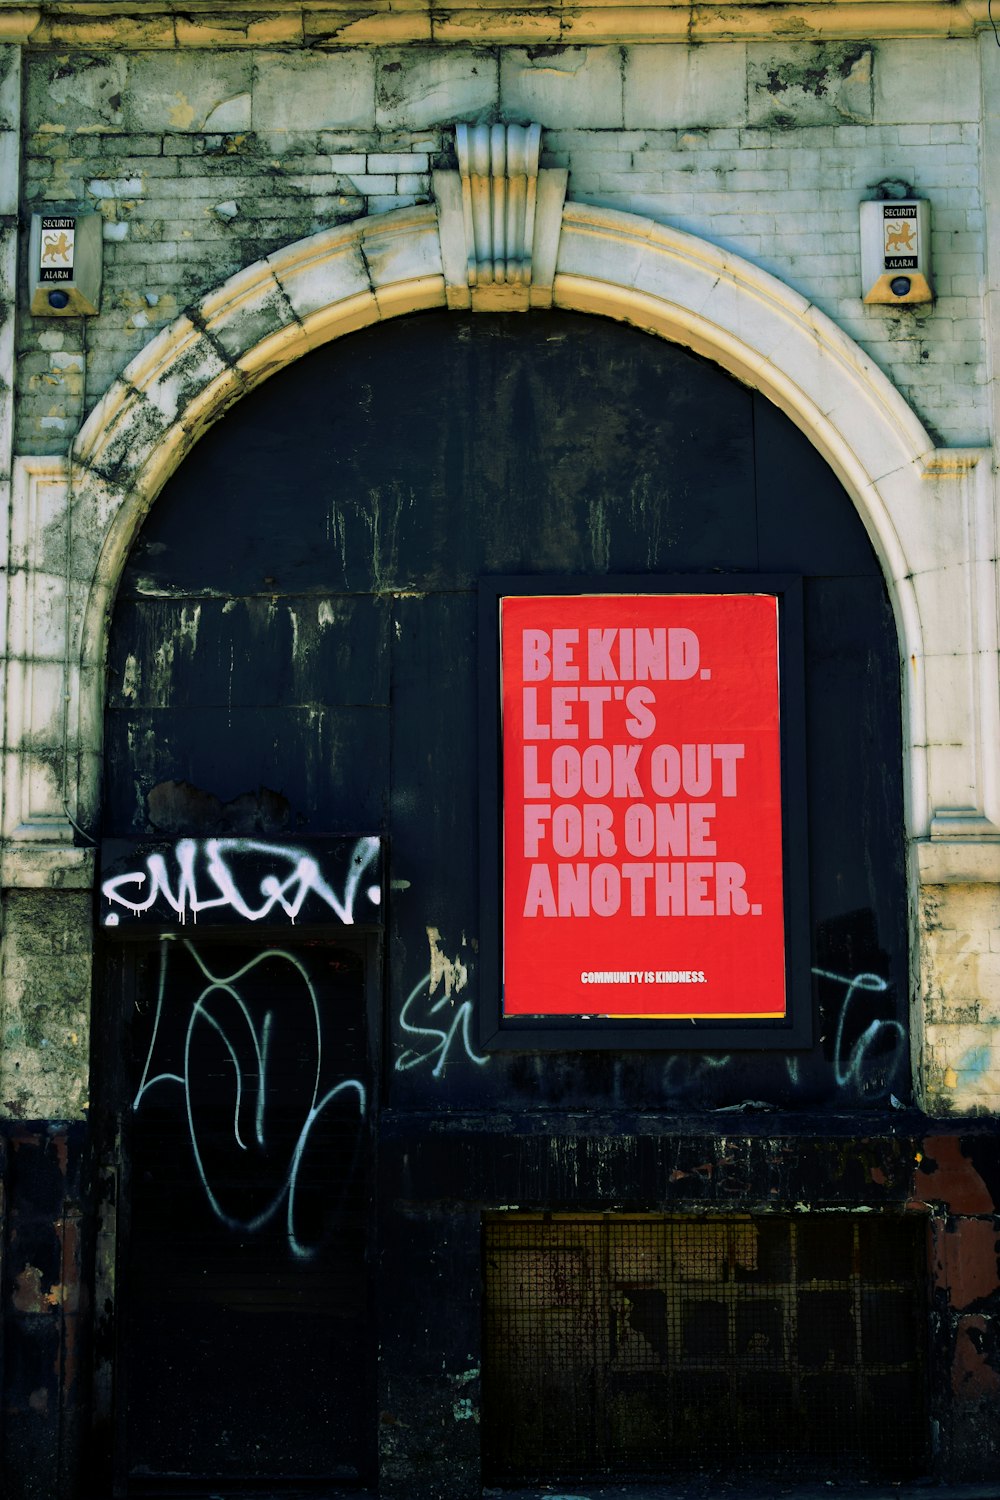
[928, 512]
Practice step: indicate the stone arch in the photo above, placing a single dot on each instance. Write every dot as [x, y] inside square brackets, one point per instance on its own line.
[611, 264]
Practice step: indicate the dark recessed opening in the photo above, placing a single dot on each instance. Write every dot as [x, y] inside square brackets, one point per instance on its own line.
[780, 1346]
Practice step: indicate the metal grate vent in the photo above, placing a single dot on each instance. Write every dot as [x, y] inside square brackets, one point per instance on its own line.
[778, 1346]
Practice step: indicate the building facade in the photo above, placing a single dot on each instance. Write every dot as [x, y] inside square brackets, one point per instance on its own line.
[326, 328]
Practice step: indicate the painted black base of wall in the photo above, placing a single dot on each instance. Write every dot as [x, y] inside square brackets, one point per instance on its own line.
[437, 1176]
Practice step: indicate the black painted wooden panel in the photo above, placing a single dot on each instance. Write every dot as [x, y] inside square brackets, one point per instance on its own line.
[421, 455]
[800, 519]
[325, 767]
[243, 1336]
[380, 478]
[255, 651]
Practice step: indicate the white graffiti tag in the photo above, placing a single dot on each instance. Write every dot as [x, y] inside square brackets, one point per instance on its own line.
[849, 1066]
[205, 880]
[206, 1011]
[436, 1041]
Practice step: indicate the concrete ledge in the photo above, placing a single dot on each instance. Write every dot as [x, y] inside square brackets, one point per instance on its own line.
[958, 861]
[41, 867]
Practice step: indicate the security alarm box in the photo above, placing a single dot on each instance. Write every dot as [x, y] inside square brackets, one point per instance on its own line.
[64, 258]
[896, 251]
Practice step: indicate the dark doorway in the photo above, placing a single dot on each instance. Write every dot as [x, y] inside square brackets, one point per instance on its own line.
[242, 1340]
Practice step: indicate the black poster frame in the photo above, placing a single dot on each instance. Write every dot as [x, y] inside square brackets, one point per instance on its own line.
[572, 1033]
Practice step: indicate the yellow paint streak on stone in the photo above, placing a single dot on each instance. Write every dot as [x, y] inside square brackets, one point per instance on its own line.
[365, 29]
[289, 23]
[115, 31]
[182, 113]
[505, 26]
[234, 145]
[165, 310]
[19, 25]
[239, 30]
[452, 973]
[58, 378]
[86, 31]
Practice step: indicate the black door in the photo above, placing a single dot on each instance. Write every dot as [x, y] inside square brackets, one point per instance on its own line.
[245, 1084]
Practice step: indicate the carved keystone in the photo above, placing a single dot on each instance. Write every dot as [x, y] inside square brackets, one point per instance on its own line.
[500, 219]
[499, 170]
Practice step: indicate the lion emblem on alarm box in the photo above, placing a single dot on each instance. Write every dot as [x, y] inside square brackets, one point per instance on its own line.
[899, 237]
[57, 247]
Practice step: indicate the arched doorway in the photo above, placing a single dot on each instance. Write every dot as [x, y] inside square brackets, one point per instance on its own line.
[293, 656]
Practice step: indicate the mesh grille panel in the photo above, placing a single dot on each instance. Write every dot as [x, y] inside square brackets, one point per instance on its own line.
[617, 1344]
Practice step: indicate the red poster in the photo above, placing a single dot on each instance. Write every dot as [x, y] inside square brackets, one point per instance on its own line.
[642, 847]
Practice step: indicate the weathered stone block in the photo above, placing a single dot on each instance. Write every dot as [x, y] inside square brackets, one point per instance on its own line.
[810, 83]
[10, 88]
[331, 90]
[923, 80]
[76, 91]
[416, 88]
[686, 86]
[563, 86]
[179, 92]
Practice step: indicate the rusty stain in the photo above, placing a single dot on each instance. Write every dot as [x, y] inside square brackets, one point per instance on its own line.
[945, 1174]
[966, 1254]
[68, 1292]
[972, 1377]
[68, 1232]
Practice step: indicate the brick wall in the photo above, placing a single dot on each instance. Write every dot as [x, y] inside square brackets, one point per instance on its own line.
[201, 162]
